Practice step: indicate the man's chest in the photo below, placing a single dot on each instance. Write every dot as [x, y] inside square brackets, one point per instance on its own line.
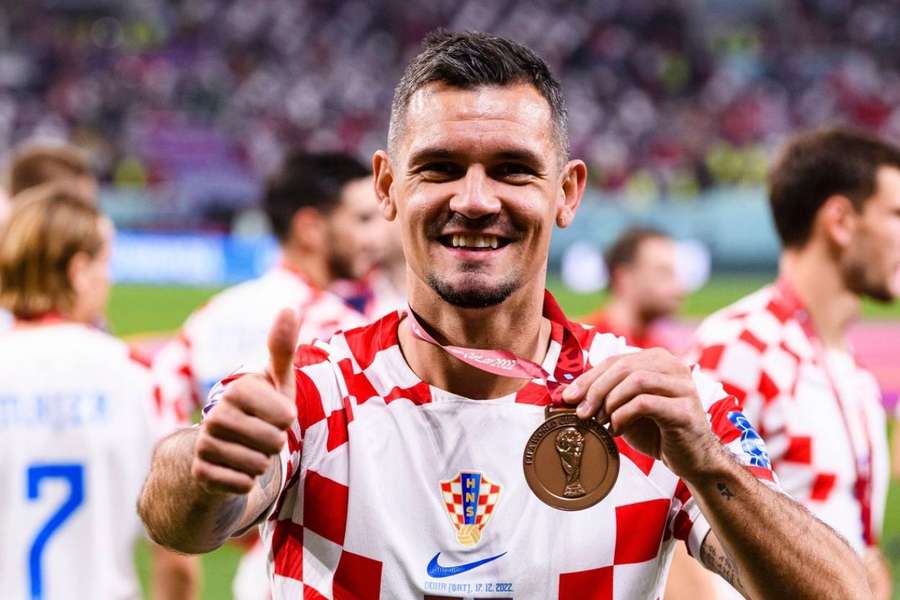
[822, 433]
[438, 499]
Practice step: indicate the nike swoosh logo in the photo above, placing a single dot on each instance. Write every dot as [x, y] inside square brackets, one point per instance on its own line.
[437, 571]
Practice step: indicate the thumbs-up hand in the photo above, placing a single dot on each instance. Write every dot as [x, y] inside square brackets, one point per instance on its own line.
[247, 426]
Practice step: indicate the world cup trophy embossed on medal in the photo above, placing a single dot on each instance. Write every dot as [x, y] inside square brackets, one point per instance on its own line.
[570, 463]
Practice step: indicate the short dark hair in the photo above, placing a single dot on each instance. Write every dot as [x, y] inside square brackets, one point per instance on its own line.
[816, 165]
[473, 59]
[307, 179]
[623, 251]
[36, 164]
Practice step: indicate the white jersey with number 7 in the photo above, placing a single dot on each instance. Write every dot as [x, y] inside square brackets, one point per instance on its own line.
[77, 427]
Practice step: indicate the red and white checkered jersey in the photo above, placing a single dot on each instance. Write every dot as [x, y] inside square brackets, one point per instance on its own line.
[231, 330]
[77, 428]
[376, 462]
[819, 412]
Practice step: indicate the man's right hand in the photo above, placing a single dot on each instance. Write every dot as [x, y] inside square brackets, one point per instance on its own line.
[247, 426]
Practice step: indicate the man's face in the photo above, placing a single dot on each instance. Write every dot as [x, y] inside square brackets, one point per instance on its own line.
[354, 231]
[94, 280]
[477, 185]
[871, 263]
[652, 280]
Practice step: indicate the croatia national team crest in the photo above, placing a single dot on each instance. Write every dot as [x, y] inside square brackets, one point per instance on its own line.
[470, 499]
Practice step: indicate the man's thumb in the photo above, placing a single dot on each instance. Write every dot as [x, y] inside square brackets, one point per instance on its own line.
[282, 345]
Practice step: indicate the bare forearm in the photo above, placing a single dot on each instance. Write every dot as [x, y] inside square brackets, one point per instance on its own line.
[176, 510]
[769, 546]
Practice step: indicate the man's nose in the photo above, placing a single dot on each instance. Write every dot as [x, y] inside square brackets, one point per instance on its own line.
[475, 198]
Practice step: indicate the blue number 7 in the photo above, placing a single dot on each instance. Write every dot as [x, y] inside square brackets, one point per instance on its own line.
[74, 475]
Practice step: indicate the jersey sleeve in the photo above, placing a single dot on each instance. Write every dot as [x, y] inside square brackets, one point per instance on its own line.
[140, 382]
[175, 384]
[738, 436]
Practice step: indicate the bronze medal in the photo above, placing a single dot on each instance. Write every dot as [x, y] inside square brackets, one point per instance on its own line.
[570, 464]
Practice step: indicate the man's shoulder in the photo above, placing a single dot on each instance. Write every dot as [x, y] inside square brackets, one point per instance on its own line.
[358, 345]
[85, 348]
[752, 319]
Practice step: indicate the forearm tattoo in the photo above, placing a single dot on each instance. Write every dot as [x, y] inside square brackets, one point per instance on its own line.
[714, 558]
[723, 489]
[229, 518]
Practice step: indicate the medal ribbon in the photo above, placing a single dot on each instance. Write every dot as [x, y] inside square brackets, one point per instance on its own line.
[507, 364]
[862, 488]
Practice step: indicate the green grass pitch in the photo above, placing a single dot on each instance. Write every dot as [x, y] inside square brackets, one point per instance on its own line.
[139, 310]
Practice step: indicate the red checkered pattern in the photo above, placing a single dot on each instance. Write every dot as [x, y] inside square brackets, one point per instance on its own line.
[224, 335]
[763, 352]
[372, 473]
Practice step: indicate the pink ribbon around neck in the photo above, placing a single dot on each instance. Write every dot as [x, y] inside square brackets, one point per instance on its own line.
[507, 364]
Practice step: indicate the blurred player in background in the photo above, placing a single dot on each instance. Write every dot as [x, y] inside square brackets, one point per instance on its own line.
[77, 416]
[383, 290]
[783, 351]
[40, 165]
[323, 211]
[644, 286]
[36, 164]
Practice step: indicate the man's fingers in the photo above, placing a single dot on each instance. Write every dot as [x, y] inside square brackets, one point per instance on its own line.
[253, 395]
[575, 391]
[593, 396]
[282, 346]
[589, 389]
[645, 406]
[221, 479]
[234, 456]
[644, 382]
[230, 424]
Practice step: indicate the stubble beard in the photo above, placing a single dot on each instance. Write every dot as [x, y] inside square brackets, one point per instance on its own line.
[860, 278]
[474, 296]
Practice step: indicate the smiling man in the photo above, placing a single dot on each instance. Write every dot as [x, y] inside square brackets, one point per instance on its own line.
[412, 458]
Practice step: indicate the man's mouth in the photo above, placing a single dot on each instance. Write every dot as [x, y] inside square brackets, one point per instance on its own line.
[473, 241]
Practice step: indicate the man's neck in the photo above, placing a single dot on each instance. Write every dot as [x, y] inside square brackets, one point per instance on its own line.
[816, 279]
[516, 325]
[623, 319]
[312, 267]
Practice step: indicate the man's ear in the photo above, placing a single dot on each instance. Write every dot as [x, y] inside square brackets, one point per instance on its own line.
[837, 219]
[384, 179]
[574, 179]
[77, 273]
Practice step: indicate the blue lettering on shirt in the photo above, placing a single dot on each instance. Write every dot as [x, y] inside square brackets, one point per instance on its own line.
[57, 410]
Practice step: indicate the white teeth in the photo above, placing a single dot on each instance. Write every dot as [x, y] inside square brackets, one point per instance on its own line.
[474, 241]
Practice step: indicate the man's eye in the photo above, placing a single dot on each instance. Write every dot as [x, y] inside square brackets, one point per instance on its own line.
[515, 171]
[440, 170]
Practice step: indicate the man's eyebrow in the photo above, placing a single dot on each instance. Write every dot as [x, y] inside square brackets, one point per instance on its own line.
[521, 155]
[432, 153]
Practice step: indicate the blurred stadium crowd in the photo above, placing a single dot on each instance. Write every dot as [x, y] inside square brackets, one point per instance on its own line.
[666, 98]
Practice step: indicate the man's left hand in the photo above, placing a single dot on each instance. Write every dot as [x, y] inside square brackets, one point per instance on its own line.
[649, 397]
